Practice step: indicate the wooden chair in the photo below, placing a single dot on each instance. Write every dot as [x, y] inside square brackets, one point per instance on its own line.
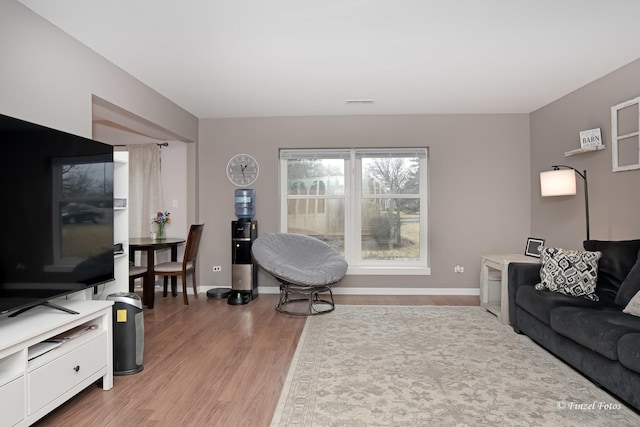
[188, 264]
[136, 272]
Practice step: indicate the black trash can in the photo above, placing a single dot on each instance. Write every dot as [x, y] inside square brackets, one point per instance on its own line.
[128, 333]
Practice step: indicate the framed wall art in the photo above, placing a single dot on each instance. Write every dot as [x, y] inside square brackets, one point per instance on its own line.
[533, 247]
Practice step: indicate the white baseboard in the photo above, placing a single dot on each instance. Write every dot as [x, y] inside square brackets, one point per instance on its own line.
[386, 291]
[268, 290]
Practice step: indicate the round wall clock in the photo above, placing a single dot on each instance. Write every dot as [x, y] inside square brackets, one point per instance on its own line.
[242, 170]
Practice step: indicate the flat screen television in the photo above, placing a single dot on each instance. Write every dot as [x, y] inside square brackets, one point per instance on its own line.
[56, 214]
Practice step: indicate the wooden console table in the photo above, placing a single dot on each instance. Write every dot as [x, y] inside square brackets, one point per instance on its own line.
[494, 282]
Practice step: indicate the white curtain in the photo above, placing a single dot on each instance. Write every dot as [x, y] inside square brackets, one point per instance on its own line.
[145, 188]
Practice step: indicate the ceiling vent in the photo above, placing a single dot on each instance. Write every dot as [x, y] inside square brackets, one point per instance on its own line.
[360, 101]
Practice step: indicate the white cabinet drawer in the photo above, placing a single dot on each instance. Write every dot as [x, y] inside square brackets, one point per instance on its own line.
[57, 377]
[12, 400]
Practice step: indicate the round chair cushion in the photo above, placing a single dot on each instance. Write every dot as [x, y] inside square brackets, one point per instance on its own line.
[134, 270]
[299, 259]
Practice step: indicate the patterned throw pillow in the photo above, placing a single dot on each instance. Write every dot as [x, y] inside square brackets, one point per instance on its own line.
[569, 272]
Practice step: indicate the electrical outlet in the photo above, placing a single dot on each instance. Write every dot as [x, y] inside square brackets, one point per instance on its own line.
[458, 269]
[216, 268]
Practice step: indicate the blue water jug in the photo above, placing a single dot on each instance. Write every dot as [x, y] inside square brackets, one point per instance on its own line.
[245, 203]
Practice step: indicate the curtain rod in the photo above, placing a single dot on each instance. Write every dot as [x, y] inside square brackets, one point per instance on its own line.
[159, 144]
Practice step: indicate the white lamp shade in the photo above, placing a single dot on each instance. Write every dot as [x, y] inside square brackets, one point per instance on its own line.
[560, 182]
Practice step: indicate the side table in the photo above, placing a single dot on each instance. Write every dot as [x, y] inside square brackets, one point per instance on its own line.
[494, 282]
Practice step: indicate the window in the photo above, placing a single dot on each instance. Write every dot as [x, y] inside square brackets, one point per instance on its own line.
[370, 204]
[625, 135]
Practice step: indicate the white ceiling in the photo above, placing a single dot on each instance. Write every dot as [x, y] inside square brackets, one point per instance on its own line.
[244, 58]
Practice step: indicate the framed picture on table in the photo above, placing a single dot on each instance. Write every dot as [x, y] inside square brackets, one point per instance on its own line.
[533, 247]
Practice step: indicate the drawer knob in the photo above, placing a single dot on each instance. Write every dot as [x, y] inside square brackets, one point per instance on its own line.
[76, 368]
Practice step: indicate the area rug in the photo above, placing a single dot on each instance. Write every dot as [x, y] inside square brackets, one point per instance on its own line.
[433, 366]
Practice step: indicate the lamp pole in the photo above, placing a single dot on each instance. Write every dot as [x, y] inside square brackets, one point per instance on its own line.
[582, 175]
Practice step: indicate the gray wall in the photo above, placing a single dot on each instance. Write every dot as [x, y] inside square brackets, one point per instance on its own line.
[479, 180]
[47, 77]
[614, 197]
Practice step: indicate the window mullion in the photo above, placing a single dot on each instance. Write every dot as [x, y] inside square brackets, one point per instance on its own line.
[354, 228]
[424, 218]
[284, 199]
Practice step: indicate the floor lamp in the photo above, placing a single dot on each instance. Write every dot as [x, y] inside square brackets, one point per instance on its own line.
[562, 182]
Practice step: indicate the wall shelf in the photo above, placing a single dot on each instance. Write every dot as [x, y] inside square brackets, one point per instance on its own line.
[121, 220]
[584, 150]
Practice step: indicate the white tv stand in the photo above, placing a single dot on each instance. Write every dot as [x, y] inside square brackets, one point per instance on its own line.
[30, 389]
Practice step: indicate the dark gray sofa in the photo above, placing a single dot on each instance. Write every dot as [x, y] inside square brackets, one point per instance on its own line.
[594, 337]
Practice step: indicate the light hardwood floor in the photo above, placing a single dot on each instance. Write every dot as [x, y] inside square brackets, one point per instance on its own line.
[208, 364]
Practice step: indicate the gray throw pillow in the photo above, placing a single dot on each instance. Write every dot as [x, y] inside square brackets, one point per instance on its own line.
[569, 272]
[630, 286]
[633, 307]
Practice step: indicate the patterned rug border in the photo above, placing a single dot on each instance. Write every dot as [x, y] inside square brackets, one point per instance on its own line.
[304, 337]
[286, 387]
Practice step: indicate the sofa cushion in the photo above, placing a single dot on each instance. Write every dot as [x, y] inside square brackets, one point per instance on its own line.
[598, 330]
[618, 257]
[540, 303]
[569, 272]
[629, 352]
[630, 286]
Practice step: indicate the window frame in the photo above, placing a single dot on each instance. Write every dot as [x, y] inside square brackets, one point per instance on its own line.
[353, 198]
[617, 139]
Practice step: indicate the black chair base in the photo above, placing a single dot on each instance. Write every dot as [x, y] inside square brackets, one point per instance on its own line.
[310, 299]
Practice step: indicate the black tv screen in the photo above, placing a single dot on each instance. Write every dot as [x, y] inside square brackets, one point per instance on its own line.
[56, 214]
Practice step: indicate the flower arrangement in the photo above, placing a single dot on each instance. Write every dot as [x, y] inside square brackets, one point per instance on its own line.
[160, 219]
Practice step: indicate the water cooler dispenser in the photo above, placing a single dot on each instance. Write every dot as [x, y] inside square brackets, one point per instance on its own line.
[244, 270]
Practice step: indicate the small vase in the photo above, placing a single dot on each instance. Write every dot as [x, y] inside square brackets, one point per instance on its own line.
[160, 231]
